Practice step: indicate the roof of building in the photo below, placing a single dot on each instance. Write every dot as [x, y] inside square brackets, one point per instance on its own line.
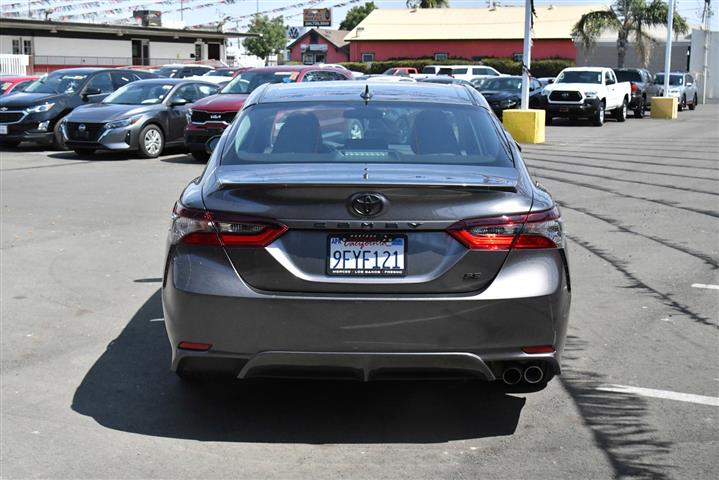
[335, 37]
[501, 23]
[119, 30]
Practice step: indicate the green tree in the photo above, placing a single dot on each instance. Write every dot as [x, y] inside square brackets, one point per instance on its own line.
[355, 15]
[272, 39]
[427, 3]
[630, 19]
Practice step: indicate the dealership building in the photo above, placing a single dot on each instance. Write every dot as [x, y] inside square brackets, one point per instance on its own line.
[442, 33]
[53, 45]
[320, 45]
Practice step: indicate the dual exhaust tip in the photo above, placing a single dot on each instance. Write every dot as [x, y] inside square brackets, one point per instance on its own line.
[532, 375]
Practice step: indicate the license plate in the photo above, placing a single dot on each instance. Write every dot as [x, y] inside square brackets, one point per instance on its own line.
[563, 109]
[367, 254]
[3, 129]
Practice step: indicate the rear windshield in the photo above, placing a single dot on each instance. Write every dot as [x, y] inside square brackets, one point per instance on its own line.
[579, 76]
[628, 76]
[429, 69]
[380, 132]
[246, 82]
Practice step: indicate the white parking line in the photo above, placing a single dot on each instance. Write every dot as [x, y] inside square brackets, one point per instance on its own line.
[157, 319]
[666, 394]
[705, 285]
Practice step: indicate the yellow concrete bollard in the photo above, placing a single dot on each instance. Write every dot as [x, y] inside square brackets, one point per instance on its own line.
[526, 126]
[665, 107]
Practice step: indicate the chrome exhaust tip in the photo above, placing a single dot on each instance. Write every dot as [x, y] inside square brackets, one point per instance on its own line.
[533, 374]
[511, 375]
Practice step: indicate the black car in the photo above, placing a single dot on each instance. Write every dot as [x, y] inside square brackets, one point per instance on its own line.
[503, 93]
[642, 83]
[145, 116]
[35, 114]
[182, 71]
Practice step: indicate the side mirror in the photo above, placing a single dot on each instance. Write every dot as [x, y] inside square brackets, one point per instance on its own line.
[178, 102]
[92, 91]
[212, 144]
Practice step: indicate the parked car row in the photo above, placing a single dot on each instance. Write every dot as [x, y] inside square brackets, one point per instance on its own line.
[89, 109]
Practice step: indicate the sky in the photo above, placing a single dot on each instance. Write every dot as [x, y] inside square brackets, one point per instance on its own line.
[691, 9]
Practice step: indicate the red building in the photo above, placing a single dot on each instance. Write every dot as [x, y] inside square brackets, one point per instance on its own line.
[442, 33]
[320, 45]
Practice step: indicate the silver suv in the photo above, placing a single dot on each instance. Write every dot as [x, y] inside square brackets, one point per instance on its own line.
[682, 86]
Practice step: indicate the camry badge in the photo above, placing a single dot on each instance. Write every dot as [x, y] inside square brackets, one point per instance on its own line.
[81, 127]
[367, 204]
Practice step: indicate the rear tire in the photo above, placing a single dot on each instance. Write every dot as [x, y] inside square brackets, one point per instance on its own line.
[598, 119]
[694, 103]
[201, 156]
[151, 141]
[84, 152]
[9, 143]
[620, 113]
[683, 103]
[639, 111]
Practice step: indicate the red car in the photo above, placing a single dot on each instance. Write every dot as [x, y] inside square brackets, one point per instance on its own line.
[9, 84]
[211, 115]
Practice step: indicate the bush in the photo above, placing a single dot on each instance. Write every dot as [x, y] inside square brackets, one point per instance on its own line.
[548, 67]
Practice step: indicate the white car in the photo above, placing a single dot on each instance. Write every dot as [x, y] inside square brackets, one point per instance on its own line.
[463, 72]
[587, 92]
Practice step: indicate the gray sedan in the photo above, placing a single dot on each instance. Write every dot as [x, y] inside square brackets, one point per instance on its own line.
[416, 244]
[146, 116]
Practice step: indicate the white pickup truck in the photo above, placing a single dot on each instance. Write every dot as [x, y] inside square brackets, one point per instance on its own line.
[588, 92]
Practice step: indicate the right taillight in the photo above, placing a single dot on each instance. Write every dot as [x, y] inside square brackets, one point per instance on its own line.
[634, 87]
[534, 230]
[201, 227]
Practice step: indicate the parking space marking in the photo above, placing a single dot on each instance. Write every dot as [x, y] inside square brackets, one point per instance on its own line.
[665, 394]
[705, 285]
[157, 319]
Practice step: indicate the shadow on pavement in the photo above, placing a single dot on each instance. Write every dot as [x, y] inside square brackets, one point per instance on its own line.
[616, 421]
[130, 388]
[109, 156]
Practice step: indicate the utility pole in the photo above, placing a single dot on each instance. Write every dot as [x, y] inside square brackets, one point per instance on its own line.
[668, 50]
[707, 34]
[182, 11]
[527, 54]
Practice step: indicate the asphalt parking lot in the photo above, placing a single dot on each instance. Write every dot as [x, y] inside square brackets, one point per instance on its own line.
[86, 390]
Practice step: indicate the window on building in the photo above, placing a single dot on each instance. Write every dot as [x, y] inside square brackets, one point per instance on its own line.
[441, 56]
[198, 51]
[16, 47]
[27, 47]
[368, 57]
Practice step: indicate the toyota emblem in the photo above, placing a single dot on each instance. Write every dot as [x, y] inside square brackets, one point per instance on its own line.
[367, 204]
[565, 95]
[81, 127]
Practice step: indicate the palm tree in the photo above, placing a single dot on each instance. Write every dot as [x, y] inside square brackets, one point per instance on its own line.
[427, 3]
[629, 18]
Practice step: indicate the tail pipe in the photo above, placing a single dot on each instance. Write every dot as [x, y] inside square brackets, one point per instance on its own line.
[512, 375]
[533, 374]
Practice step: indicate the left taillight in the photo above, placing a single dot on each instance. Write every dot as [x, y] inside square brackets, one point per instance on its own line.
[534, 230]
[201, 227]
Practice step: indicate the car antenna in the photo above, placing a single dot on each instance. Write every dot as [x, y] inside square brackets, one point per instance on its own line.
[366, 95]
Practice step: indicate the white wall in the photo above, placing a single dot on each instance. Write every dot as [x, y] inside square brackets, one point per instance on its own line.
[697, 62]
[168, 50]
[75, 47]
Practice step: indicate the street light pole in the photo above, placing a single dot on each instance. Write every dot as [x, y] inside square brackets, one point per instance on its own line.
[668, 50]
[527, 54]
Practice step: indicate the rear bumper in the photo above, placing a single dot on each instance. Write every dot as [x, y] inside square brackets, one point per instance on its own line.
[253, 333]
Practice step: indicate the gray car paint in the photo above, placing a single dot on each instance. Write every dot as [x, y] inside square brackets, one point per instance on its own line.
[239, 301]
[172, 119]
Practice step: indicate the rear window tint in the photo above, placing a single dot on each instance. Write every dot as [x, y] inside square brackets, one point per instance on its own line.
[380, 132]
